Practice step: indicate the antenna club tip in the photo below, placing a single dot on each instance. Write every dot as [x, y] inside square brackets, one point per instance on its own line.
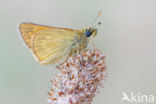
[99, 13]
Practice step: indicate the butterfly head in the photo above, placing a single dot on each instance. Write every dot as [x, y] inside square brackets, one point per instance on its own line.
[90, 32]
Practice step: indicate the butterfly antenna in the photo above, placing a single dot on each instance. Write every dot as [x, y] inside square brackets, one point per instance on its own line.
[99, 13]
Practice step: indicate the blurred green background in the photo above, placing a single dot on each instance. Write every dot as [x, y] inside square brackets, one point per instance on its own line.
[127, 36]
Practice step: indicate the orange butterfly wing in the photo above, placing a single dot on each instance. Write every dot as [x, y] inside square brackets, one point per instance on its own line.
[48, 44]
[29, 30]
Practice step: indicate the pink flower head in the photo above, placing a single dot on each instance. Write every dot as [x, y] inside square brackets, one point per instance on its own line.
[79, 79]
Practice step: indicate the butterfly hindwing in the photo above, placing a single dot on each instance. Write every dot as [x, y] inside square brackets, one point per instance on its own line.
[50, 46]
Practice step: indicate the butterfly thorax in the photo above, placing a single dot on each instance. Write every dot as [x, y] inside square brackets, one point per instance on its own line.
[82, 39]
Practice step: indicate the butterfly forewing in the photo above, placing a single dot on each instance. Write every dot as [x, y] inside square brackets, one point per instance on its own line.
[28, 30]
[49, 44]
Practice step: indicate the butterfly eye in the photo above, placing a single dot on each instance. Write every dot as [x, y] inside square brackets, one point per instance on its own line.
[88, 33]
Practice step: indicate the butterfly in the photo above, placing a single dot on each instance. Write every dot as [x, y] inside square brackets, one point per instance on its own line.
[50, 45]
